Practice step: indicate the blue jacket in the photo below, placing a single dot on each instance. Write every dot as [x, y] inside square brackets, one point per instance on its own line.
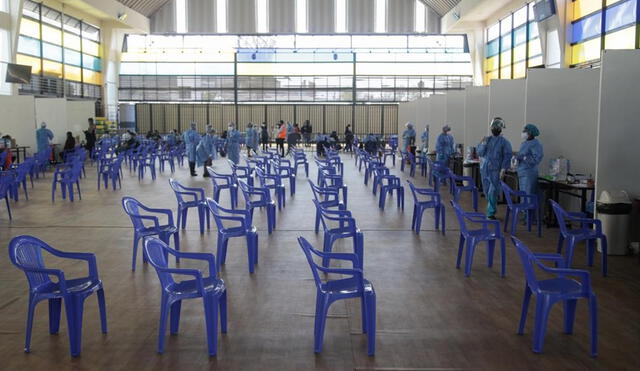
[252, 138]
[205, 149]
[233, 145]
[445, 147]
[43, 136]
[530, 155]
[191, 139]
[495, 153]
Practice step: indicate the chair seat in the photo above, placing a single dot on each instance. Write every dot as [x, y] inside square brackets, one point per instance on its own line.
[150, 231]
[189, 288]
[238, 231]
[347, 286]
[583, 233]
[559, 285]
[524, 206]
[75, 286]
[482, 234]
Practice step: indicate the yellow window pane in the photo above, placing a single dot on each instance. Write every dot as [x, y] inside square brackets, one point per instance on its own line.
[623, 39]
[520, 53]
[505, 72]
[51, 35]
[51, 68]
[585, 7]
[491, 64]
[534, 47]
[505, 58]
[586, 51]
[535, 61]
[519, 70]
[29, 61]
[30, 28]
[92, 77]
[71, 41]
[89, 47]
[490, 76]
[72, 73]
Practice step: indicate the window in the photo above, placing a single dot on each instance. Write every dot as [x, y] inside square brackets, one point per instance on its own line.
[618, 18]
[301, 16]
[341, 16]
[381, 16]
[181, 16]
[221, 16]
[262, 15]
[421, 17]
[512, 46]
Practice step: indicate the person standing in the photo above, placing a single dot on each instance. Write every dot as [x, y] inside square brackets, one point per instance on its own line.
[252, 139]
[495, 156]
[408, 137]
[264, 136]
[292, 137]
[280, 137]
[307, 129]
[348, 139]
[191, 139]
[43, 137]
[90, 136]
[206, 150]
[233, 143]
[445, 146]
[424, 138]
[529, 157]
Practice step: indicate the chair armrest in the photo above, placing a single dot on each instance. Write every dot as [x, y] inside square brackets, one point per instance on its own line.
[197, 256]
[199, 191]
[558, 258]
[186, 272]
[155, 220]
[50, 272]
[343, 213]
[585, 276]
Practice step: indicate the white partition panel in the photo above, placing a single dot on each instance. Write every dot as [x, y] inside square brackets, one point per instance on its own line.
[53, 111]
[619, 123]
[437, 118]
[507, 100]
[19, 119]
[422, 116]
[455, 115]
[476, 113]
[563, 103]
[77, 114]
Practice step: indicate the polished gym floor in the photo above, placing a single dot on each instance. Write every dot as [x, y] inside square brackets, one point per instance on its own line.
[429, 316]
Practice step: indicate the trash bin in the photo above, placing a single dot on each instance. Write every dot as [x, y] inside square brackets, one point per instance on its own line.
[614, 209]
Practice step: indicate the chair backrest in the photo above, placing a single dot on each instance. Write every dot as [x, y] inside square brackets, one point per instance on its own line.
[560, 214]
[307, 249]
[528, 263]
[215, 176]
[217, 212]
[177, 189]
[508, 193]
[131, 207]
[460, 214]
[155, 250]
[26, 252]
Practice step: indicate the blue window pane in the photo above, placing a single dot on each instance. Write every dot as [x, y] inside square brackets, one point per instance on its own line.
[53, 52]
[72, 57]
[520, 35]
[29, 46]
[533, 30]
[91, 62]
[586, 28]
[621, 15]
[506, 43]
[492, 48]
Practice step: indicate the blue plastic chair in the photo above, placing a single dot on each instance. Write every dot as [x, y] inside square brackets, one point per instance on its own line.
[25, 253]
[328, 177]
[221, 182]
[389, 184]
[300, 158]
[210, 288]
[241, 227]
[330, 291]
[553, 290]
[434, 202]
[438, 174]
[379, 172]
[273, 182]
[135, 210]
[340, 224]
[584, 233]
[5, 187]
[146, 160]
[327, 198]
[242, 172]
[283, 169]
[67, 175]
[469, 238]
[110, 170]
[389, 152]
[197, 200]
[167, 156]
[528, 203]
[259, 197]
[458, 186]
[20, 179]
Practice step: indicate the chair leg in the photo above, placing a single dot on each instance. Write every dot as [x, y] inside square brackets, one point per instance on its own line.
[75, 323]
[525, 309]
[569, 315]
[543, 305]
[503, 257]
[605, 254]
[506, 218]
[174, 318]
[474, 195]
[460, 250]
[322, 307]
[135, 252]
[471, 246]
[593, 317]
[222, 302]
[30, 311]
[222, 249]
[591, 247]
[54, 315]
[490, 250]
[164, 309]
[371, 326]
[103, 310]
[514, 221]
[443, 216]
[201, 219]
[560, 244]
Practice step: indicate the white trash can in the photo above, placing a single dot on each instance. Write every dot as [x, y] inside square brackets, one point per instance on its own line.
[614, 209]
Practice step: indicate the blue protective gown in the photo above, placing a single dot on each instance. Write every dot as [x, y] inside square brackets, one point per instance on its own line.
[252, 138]
[529, 157]
[408, 138]
[191, 139]
[445, 148]
[43, 136]
[171, 139]
[424, 138]
[206, 149]
[495, 155]
[233, 145]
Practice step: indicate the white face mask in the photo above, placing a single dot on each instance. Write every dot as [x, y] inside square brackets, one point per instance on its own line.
[524, 135]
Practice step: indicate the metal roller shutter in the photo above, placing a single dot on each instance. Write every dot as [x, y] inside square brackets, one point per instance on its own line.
[143, 118]
[171, 119]
[228, 115]
[200, 116]
[313, 113]
[157, 117]
[186, 116]
[391, 119]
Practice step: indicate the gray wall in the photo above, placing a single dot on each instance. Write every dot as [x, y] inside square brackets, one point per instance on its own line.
[507, 100]
[619, 123]
[437, 118]
[476, 114]
[455, 115]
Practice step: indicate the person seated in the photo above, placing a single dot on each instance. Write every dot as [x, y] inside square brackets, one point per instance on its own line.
[69, 145]
[322, 142]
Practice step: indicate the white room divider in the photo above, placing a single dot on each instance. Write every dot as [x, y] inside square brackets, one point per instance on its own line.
[507, 100]
[476, 114]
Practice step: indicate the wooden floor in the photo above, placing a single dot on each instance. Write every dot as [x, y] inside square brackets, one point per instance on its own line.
[429, 316]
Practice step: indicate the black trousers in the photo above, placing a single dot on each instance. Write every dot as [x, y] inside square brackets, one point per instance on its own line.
[280, 145]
